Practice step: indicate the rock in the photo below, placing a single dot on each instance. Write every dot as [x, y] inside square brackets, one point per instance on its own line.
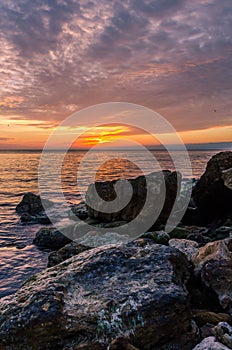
[212, 195]
[200, 239]
[224, 333]
[100, 295]
[36, 219]
[223, 232]
[79, 211]
[189, 248]
[179, 232]
[133, 208]
[87, 346]
[160, 237]
[210, 343]
[69, 250]
[31, 204]
[193, 233]
[49, 237]
[213, 263]
[203, 317]
[121, 344]
[227, 178]
[207, 331]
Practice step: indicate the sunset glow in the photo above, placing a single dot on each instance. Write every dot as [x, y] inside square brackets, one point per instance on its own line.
[58, 58]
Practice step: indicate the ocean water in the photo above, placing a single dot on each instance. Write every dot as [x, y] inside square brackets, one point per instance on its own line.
[19, 258]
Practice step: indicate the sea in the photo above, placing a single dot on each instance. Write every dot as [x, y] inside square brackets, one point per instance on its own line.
[19, 173]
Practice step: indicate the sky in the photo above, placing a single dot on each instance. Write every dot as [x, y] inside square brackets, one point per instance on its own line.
[58, 57]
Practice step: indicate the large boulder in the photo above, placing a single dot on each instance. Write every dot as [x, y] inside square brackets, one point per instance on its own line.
[161, 181]
[32, 204]
[213, 263]
[133, 291]
[212, 193]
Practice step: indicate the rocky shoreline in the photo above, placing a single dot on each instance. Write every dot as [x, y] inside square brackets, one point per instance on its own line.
[161, 291]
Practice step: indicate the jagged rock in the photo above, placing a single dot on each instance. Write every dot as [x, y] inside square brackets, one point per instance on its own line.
[224, 333]
[108, 292]
[189, 248]
[69, 250]
[133, 208]
[210, 343]
[32, 204]
[212, 194]
[213, 263]
[49, 237]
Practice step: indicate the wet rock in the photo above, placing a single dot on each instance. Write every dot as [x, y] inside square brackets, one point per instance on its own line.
[49, 237]
[121, 344]
[69, 250]
[35, 219]
[199, 238]
[132, 209]
[212, 194]
[203, 317]
[213, 263]
[79, 211]
[224, 333]
[32, 204]
[179, 232]
[210, 343]
[100, 295]
[223, 232]
[160, 237]
[189, 248]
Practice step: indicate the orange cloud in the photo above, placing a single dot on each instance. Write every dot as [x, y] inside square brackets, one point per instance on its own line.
[11, 101]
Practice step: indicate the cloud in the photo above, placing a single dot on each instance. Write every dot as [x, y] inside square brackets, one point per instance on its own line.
[5, 139]
[173, 56]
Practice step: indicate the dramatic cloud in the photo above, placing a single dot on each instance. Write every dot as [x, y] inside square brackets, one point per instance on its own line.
[173, 56]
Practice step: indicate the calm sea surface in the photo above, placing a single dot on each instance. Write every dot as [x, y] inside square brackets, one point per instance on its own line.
[19, 174]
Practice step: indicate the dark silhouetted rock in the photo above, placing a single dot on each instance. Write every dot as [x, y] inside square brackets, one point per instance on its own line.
[31, 204]
[99, 295]
[69, 250]
[160, 181]
[212, 193]
[35, 219]
[79, 211]
[49, 237]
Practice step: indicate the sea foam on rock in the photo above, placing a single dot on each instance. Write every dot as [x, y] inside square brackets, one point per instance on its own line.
[136, 291]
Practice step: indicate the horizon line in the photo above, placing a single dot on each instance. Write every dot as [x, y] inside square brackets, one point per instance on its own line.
[209, 146]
